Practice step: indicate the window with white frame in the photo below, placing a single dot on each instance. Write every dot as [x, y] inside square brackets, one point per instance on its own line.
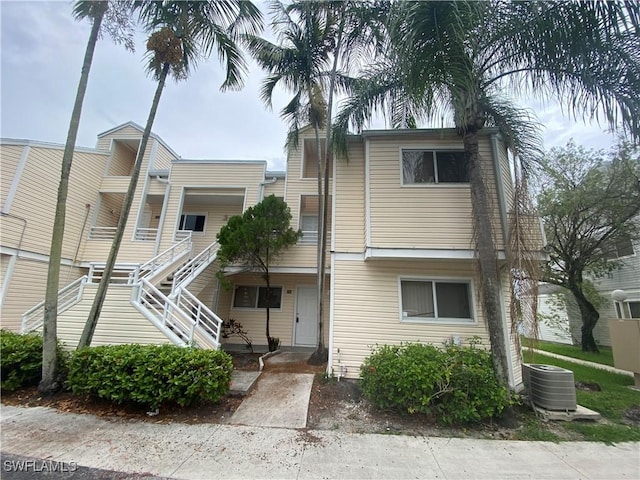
[252, 296]
[435, 300]
[309, 227]
[192, 221]
[434, 166]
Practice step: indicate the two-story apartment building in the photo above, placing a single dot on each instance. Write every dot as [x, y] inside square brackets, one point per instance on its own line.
[400, 258]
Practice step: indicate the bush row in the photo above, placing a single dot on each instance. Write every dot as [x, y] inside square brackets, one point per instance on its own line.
[148, 375]
[453, 384]
[21, 363]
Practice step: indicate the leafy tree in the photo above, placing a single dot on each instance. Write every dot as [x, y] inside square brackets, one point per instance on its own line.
[254, 239]
[182, 32]
[589, 203]
[114, 18]
[456, 60]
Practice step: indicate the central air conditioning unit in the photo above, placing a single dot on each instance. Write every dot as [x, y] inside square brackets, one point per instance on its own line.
[550, 387]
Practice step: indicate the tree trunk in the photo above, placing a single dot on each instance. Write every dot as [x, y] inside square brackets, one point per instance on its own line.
[589, 315]
[316, 357]
[49, 382]
[488, 274]
[321, 354]
[96, 308]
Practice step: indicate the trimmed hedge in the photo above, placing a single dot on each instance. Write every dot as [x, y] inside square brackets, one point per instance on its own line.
[21, 362]
[453, 384]
[150, 375]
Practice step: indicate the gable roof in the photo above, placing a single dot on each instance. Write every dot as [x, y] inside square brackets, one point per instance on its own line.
[141, 130]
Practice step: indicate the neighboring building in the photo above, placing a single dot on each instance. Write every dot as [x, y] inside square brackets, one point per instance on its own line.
[400, 263]
[560, 319]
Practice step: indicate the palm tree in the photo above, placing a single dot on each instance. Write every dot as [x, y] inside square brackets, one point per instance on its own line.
[182, 32]
[460, 58]
[300, 63]
[116, 23]
[314, 39]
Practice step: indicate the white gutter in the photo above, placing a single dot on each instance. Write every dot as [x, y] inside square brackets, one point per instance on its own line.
[262, 184]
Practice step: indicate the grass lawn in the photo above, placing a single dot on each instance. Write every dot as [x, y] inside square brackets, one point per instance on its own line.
[611, 402]
[605, 356]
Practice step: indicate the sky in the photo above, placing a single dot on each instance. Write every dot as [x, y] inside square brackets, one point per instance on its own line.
[42, 47]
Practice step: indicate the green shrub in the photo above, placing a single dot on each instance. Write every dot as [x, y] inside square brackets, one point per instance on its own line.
[453, 384]
[150, 375]
[21, 363]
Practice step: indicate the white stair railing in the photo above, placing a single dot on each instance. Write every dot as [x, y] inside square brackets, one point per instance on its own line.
[207, 325]
[186, 321]
[194, 267]
[149, 268]
[68, 296]
[130, 273]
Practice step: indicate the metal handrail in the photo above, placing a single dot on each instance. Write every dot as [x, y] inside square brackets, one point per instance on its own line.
[193, 267]
[204, 318]
[68, 296]
[187, 318]
[130, 273]
[151, 266]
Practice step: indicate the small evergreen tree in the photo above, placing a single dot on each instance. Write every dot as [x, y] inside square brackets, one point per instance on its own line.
[254, 239]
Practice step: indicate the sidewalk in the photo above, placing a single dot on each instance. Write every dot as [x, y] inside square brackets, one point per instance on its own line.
[209, 451]
[601, 366]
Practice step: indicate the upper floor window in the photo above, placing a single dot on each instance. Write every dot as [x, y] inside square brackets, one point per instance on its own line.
[431, 300]
[310, 158]
[434, 166]
[192, 221]
[622, 247]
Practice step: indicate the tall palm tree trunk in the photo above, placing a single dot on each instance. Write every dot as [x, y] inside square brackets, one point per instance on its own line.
[96, 308]
[49, 382]
[321, 354]
[489, 276]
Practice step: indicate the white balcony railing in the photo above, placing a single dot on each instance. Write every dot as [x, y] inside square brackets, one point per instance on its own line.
[146, 234]
[102, 233]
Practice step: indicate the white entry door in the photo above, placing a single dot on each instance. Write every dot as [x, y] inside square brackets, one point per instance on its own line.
[306, 321]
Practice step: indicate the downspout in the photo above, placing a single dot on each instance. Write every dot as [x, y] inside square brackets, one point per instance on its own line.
[163, 212]
[505, 239]
[262, 184]
[501, 198]
[84, 226]
[12, 263]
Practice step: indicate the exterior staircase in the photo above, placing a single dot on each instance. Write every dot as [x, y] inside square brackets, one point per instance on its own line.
[158, 291]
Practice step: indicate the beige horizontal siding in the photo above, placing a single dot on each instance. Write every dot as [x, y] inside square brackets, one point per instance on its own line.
[119, 321]
[367, 309]
[126, 133]
[27, 288]
[37, 192]
[209, 178]
[163, 158]
[123, 157]
[282, 320]
[349, 201]
[276, 188]
[425, 216]
[114, 184]
[9, 158]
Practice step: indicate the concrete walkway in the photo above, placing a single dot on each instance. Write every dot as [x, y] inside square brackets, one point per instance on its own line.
[210, 451]
[608, 368]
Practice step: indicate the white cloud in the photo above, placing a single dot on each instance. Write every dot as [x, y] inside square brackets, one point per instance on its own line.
[42, 50]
